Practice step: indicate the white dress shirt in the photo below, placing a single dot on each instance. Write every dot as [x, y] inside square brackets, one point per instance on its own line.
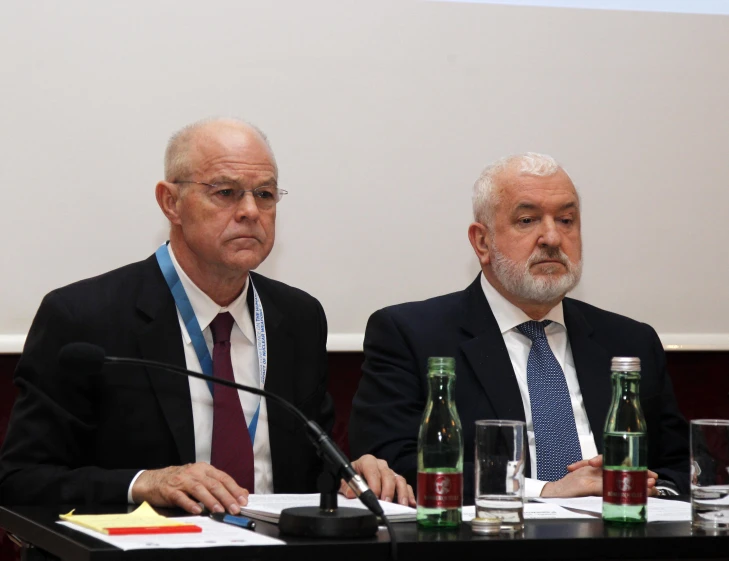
[508, 316]
[244, 357]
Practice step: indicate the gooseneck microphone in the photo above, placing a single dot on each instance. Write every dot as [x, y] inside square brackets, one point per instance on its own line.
[90, 358]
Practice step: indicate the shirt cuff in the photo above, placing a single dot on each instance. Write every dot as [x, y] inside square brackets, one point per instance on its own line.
[666, 491]
[533, 487]
[669, 486]
[129, 492]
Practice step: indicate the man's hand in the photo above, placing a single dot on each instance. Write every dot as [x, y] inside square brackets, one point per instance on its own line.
[581, 482]
[597, 462]
[186, 486]
[384, 482]
[584, 478]
[592, 462]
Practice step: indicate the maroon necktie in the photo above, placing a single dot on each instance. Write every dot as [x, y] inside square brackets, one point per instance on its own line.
[232, 450]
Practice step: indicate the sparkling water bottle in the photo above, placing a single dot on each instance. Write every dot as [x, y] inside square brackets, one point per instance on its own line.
[440, 450]
[625, 455]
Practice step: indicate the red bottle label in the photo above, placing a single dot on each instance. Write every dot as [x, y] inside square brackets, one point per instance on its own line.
[440, 490]
[624, 487]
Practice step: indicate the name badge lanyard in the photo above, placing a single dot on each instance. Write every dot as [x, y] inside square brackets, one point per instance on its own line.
[198, 340]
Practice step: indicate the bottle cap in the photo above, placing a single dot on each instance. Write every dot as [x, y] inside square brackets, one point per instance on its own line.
[441, 363]
[625, 364]
[486, 525]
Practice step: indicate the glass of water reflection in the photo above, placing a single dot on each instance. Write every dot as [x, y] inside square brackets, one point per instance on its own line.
[710, 474]
[499, 455]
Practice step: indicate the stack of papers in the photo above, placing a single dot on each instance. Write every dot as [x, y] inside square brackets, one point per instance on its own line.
[268, 507]
[659, 510]
[214, 534]
[144, 520]
[535, 511]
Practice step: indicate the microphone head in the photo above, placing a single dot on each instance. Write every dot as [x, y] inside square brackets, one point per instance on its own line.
[83, 357]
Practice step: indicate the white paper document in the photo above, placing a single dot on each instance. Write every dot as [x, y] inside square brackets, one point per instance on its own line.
[659, 510]
[534, 511]
[214, 534]
[269, 507]
[721, 501]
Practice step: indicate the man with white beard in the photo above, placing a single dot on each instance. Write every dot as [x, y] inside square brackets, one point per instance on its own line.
[523, 351]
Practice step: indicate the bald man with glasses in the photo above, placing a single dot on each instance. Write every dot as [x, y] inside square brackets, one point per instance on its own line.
[132, 434]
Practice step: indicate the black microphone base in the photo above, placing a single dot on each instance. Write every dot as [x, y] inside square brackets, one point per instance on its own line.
[313, 522]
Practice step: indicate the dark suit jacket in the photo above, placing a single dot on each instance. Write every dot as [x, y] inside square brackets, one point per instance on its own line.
[76, 438]
[389, 403]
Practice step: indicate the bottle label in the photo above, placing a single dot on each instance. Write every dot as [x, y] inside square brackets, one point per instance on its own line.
[624, 487]
[440, 490]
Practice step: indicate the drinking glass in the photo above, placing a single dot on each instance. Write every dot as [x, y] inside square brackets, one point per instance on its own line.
[710, 474]
[499, 458]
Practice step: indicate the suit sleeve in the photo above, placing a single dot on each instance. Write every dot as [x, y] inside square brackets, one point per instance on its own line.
[668, 445]
[389, 403]
[47, 456]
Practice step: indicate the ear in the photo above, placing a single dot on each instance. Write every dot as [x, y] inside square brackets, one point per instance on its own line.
[168, 197]
[478, 235]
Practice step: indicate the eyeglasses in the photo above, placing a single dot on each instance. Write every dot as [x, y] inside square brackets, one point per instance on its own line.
[228, 193]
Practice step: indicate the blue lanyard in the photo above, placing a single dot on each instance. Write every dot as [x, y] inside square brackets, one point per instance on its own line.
[193, 327]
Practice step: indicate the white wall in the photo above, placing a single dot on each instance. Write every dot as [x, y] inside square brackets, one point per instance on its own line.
[675, 6]
[382, 113]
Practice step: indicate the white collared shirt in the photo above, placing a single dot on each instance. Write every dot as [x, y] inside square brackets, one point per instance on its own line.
[508, 316]
[244, 357]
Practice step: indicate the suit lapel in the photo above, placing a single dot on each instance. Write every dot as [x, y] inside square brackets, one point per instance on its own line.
[488, 357]
[486, 353]
[160, 339]
[592, 363]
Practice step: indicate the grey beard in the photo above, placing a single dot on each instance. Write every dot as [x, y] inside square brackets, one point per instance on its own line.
[519, 281]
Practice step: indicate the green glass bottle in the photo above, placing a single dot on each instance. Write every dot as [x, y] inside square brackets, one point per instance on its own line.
[440, 450]
[625, 451]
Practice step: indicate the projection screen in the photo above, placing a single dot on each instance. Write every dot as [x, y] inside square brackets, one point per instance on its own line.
[381, 114]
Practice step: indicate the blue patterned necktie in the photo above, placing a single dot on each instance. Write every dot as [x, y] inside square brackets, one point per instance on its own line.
[553, 419]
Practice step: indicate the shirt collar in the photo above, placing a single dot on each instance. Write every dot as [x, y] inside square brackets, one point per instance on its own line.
[206, 309]
[509, 316]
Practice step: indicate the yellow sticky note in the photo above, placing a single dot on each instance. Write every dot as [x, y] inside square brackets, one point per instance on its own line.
[143, 520]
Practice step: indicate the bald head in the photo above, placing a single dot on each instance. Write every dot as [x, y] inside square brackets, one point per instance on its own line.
[221, 227]
[185, 143]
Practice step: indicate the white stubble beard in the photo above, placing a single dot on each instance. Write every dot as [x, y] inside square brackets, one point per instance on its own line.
[519, 281]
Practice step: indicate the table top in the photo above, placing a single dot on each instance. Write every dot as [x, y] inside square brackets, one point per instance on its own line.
[572, 539]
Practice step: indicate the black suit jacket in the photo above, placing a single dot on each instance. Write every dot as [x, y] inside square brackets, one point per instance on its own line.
[389, 403]
[76, 438]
